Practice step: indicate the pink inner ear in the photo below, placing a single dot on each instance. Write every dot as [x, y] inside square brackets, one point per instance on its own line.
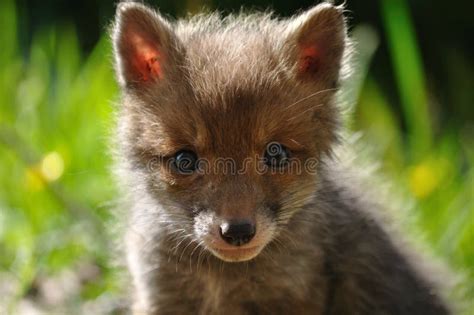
[310, 59]
[145, 59]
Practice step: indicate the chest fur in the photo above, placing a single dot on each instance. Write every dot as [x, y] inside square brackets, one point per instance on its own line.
[279, 289]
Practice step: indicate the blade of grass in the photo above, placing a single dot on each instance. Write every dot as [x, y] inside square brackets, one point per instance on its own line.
[409, 73]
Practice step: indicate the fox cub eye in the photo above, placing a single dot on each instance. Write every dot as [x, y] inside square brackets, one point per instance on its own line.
[276, 155]
[185, 162]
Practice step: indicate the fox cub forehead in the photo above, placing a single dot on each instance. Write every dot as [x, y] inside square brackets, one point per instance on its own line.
[244, 79]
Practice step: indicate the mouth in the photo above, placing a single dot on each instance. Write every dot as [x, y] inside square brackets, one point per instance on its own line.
[236, 254]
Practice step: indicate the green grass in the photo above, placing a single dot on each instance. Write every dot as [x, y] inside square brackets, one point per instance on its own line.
[55, 186]
[54, 176]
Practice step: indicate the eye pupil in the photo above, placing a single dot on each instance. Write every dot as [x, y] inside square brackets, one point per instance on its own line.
[276, 155]
[185, 162]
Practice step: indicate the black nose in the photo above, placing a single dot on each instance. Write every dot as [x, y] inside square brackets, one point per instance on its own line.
[237, 233]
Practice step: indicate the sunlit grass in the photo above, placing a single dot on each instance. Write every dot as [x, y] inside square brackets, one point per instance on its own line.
[409, 74]
[54, 163]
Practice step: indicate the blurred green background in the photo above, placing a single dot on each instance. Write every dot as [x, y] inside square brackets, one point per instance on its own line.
[412, 98]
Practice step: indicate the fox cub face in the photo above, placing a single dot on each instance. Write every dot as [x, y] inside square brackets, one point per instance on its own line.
[223, 121]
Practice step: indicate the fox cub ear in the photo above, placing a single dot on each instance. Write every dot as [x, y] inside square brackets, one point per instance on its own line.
[143, 45]
[319, 37]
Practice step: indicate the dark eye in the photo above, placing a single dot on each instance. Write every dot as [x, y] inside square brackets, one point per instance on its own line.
[276, 155]
[185, 162]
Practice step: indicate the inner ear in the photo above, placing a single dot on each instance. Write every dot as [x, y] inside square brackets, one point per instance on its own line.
[320, 36]
[143, 43]
[145, 58]
[310, 58]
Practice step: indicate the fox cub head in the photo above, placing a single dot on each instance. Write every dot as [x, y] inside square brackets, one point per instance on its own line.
[224, 120]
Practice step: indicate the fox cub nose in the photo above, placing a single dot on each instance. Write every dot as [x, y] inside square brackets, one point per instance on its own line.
[237, 233]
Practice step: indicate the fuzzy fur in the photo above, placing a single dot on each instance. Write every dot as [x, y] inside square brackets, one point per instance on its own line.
[225, 87]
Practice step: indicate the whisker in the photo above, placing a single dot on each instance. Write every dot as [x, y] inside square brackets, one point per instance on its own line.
[304, 112]
[198, 245]
[310, 96]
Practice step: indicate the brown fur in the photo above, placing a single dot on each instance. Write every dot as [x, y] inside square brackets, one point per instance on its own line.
[225, 88]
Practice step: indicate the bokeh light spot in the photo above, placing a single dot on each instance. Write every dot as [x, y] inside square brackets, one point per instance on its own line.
[52, 166]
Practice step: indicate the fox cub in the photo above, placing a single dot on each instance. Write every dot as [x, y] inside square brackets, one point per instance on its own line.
[234, 201]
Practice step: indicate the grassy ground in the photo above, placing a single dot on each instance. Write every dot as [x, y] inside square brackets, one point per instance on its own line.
[56, 191]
